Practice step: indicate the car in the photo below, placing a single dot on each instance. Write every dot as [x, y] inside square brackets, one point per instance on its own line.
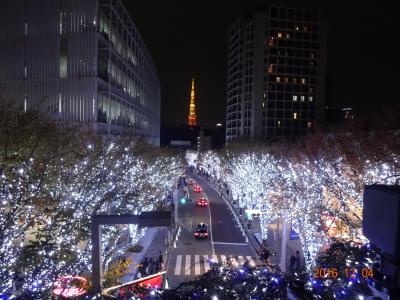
[202, 202]
[201, 231]
[190, 181]
[197, 189]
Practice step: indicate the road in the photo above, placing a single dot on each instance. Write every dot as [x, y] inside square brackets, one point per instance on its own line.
[192, 257]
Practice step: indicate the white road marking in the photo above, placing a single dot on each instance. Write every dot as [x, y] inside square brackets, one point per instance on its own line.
[237, 244]
[215, 258]
[223, 259]
[206, 264]
[251, 261]
[234, 262]
[210, 227]
[187, 265]
[196, 265]
[178, 265]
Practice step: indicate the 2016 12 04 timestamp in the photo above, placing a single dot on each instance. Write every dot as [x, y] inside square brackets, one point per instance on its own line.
[324, 273]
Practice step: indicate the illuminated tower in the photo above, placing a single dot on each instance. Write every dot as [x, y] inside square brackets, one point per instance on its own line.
[192, 108]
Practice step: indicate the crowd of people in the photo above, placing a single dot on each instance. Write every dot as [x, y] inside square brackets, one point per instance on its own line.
[150, 266]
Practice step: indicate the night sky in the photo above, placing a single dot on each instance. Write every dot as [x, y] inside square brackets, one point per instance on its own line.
[191, 36]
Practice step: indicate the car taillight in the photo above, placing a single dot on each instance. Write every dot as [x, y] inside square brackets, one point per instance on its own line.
[206, 234]
[196, 233]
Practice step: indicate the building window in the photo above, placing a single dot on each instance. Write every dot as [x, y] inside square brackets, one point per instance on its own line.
[279, 123]
[59, 104]
[294, 80]
[63, 57]
[295, 116]
[279, 34]
[309, 124]
[61, 23]
[294, 97]
[287, 35]
[25, 103]
[310, 98]
[286, 79]
[312, 55]
[278, 79]
[302, 98]
[263, 104]
[26, 28]
[305, 28]
[310, 89]
[270, 69]
[303, 80]
[296, 27]
[25, 70]
[271, 42]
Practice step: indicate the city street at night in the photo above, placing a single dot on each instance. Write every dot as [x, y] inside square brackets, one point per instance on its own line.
[199, 150]
[225, 241]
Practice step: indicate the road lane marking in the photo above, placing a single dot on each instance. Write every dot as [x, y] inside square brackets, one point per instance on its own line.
[178, 265]
[223, 259]
[211, 236]
[223, 243]
[187, 265]
[196, 265]
[206, 264]
[251, 261]
[233, 262]
[215, 258]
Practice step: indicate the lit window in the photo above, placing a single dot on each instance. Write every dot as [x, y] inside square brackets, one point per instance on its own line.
[303, 80]
[310, 89]
[278, 79]
[279, 34]
[287, 35]
[312, 55]
[310, 98]
[305, 28]
[26, 28]
[286, 79]
[295, 116]
[294, 97]
[59, 103]
[297, 27]
[263, 104]
[25, 103]
[271, 42]
[270, 69]
[61, 23]
[265, 96]
[279, 123]
[302, 98]
[309, 124]
[294, 80]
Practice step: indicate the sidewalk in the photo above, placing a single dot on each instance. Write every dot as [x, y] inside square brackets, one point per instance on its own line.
[137, 257]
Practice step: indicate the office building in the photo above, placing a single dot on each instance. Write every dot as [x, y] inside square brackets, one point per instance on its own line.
[275, 74]
[81, 62]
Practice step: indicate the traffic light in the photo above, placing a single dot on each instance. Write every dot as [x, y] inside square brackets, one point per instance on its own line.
[183, 200]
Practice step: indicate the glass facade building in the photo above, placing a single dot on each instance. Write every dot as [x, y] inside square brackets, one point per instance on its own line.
[82, 61]
[276, 74]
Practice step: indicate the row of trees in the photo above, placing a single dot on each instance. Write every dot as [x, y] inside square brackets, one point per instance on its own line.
[316, 182]
[52, 180]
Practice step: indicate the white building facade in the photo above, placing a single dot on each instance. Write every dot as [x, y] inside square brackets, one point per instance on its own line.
[80, 61]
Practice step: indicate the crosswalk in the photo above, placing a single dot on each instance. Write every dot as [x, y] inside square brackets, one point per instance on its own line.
[187, 265]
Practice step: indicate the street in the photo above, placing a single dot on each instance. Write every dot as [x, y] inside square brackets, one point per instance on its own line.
[192, 257]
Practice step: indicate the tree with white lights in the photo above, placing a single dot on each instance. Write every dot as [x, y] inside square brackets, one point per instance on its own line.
[53, 180]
